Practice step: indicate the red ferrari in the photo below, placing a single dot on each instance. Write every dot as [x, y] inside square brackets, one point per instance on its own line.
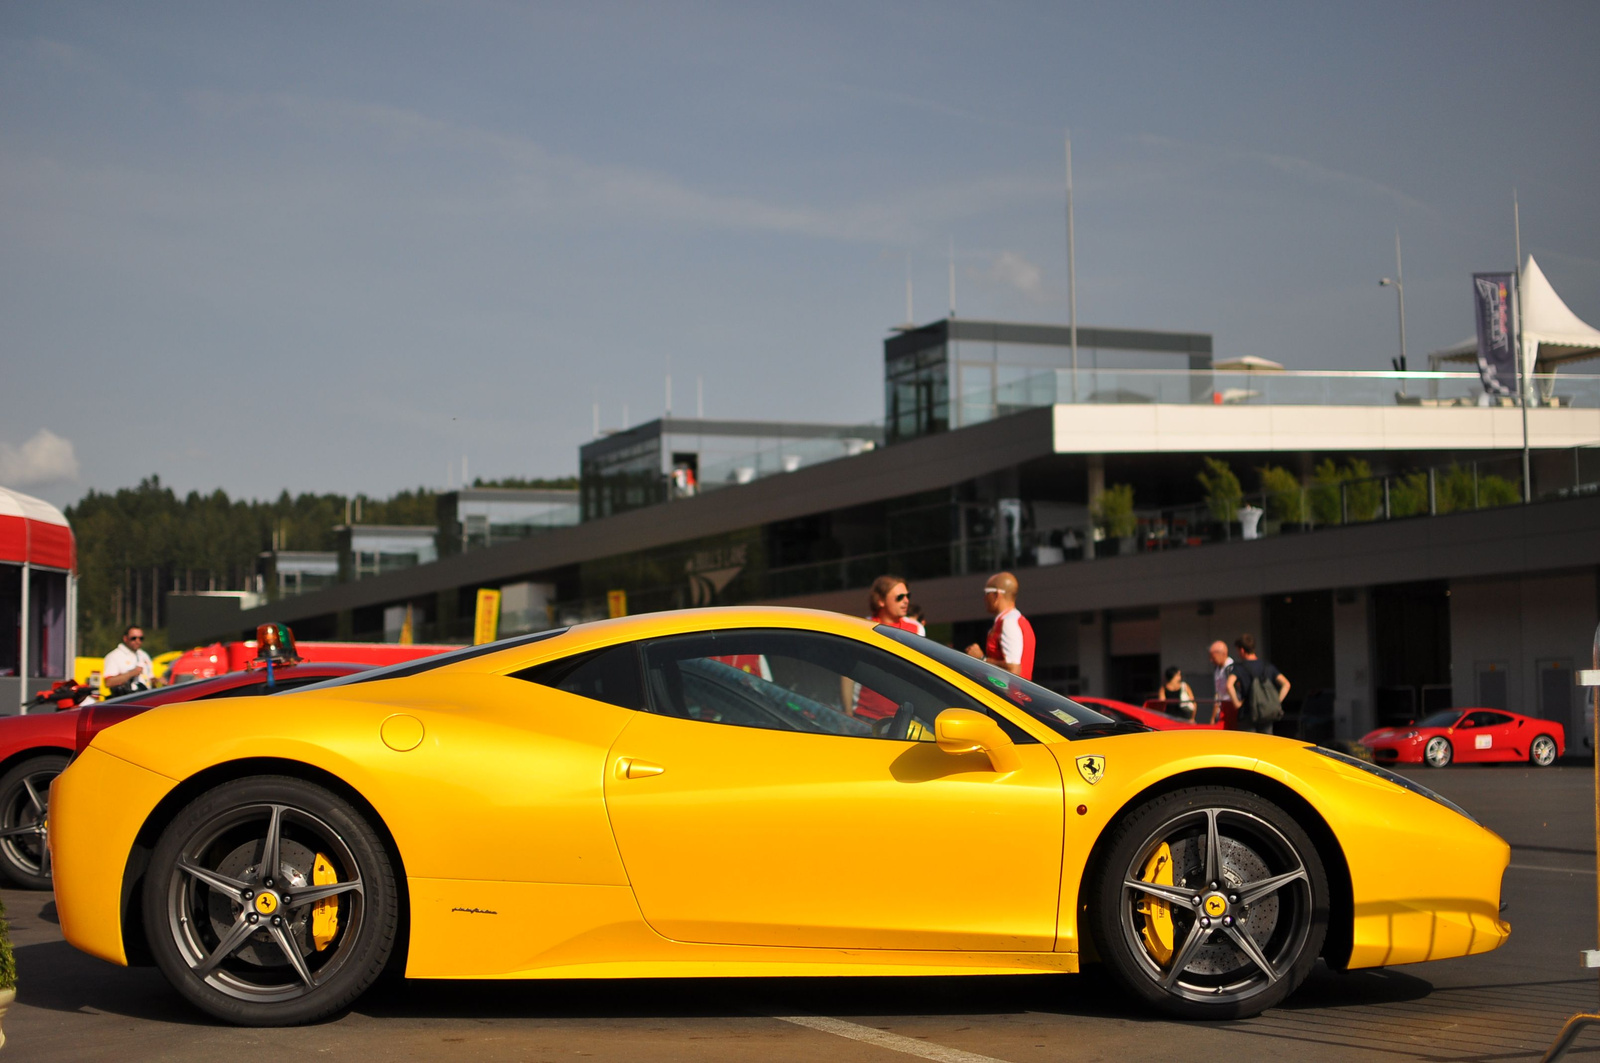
[1469, 736]
[1164, 716]
[34, 749]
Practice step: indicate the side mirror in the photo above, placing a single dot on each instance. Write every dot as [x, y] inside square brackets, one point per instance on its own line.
[965, 731]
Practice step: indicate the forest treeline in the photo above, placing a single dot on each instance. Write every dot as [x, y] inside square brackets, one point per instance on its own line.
[138, 543]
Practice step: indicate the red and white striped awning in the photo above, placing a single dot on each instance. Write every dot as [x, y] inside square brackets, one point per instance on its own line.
[34, 531]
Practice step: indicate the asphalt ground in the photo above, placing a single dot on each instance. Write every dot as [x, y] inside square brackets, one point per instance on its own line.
[1506, 1005]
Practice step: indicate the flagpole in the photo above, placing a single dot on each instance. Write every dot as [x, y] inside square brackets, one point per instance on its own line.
[1072, 275]
[1522, 376]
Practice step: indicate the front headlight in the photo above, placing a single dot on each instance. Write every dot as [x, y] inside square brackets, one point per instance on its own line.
[1412, 734]
[1399, 780]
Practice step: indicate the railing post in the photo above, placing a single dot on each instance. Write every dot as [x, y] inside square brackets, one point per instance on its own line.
[1475, 503]
[1433, 493]
[1344, 502]
[1387, 513]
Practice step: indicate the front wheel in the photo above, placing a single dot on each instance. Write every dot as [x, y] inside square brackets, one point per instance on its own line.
[270, 902]
[1438, 753]
[25, 820]
[1542, 751]
[1209, 903]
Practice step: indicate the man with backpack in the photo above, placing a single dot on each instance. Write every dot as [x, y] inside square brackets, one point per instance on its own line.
[1257, 687]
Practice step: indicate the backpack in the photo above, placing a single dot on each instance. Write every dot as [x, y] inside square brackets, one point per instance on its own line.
[1261, 704]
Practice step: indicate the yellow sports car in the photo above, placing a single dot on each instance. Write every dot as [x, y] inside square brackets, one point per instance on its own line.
[739, 792]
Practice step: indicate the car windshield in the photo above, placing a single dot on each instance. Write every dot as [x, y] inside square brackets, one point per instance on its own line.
[1443, 718]
[1061, 714]
[427, 664]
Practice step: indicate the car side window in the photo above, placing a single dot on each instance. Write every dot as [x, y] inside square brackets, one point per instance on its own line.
[1486, 719]
[610, 675]
[798, 681]
[243, 690]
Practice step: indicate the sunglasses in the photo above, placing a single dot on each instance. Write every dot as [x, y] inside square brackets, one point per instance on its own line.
[135, 638]
[901, 597]
[991, 590]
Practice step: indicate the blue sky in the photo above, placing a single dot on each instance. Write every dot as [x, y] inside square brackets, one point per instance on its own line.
[338, 246]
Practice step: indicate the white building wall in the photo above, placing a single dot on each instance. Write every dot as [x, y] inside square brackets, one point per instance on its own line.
[1518, 623]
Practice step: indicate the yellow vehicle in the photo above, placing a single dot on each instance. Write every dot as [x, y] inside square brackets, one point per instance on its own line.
[690, 794]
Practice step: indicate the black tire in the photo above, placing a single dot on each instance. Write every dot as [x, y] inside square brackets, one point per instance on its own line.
[1196, 965]
[24, 820]
[1542, 751]
[214, 933]
[1438, 752]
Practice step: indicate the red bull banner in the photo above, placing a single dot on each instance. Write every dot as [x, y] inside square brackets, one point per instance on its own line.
[1497, 331]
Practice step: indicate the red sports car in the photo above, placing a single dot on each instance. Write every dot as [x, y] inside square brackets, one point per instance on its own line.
[35, 748]
[1470, 736]
[1160, 717]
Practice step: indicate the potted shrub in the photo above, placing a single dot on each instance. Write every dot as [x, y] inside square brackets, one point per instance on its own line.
[1223, 493]
[1113, 513]
[1286, 499]
[8, 969]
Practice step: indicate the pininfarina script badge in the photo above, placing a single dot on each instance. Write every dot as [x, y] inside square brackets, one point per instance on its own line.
[1091, 768]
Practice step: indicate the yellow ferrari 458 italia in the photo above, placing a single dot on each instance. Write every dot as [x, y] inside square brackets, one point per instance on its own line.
[739, 792]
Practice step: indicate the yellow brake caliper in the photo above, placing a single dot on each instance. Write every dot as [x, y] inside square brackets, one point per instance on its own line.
[1157, 929]
[325, 913]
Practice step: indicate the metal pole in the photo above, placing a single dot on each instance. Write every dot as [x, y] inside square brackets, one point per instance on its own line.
[1522, 375]
[1072, 276]
[22, 659]
[1591, 958]
[1400, 286]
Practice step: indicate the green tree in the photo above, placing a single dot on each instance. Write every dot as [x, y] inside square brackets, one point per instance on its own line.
[1338, 492]
[1113, 511]
[1223, 491]
[1286, 499]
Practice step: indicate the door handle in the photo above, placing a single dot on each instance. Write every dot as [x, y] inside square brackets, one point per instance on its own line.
[629, 768]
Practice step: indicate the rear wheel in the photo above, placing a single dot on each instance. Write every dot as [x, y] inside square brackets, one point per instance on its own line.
[270, 902]
[1542, 751]
[1210, 903]
[24, 820]
[1438, 753]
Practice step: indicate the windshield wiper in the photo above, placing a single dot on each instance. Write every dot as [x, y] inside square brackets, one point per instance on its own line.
[1100, 729]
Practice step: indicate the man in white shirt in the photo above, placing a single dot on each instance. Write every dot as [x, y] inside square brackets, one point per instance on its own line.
[1221, 670]
[128, 663]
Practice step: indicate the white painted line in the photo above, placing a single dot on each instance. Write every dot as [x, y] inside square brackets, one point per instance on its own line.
[883, 1039]
[1556, 870]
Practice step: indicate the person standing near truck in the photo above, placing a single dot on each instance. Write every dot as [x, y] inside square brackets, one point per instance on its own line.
[128, 664]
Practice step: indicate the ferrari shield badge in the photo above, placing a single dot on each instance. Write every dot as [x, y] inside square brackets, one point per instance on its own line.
[1091, 768]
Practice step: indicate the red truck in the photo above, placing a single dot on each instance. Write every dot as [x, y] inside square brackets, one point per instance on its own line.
[219, 658]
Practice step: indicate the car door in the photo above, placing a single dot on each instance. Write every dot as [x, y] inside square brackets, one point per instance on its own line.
[755, 811]
[1503, 740]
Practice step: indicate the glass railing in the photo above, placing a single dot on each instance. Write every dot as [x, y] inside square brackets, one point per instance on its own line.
[1335, 496]
[1262, 388]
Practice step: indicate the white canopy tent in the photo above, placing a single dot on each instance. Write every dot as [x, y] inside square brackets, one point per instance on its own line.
[1552, 335]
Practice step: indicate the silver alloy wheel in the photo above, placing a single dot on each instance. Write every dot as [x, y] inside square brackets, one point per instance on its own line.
[1240, 905]
[239, 902]
[1438, 752]
[1543, 751]
[25, 823]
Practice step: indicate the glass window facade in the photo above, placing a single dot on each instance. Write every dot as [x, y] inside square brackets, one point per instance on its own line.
[955, 373]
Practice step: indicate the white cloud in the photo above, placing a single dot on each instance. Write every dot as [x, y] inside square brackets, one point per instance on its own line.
[44, 459]
[1010, 270]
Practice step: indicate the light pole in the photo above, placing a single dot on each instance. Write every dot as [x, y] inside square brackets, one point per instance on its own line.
[1397, 282]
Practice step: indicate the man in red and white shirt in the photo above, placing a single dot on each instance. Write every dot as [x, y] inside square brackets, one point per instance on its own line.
[1010, 643]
